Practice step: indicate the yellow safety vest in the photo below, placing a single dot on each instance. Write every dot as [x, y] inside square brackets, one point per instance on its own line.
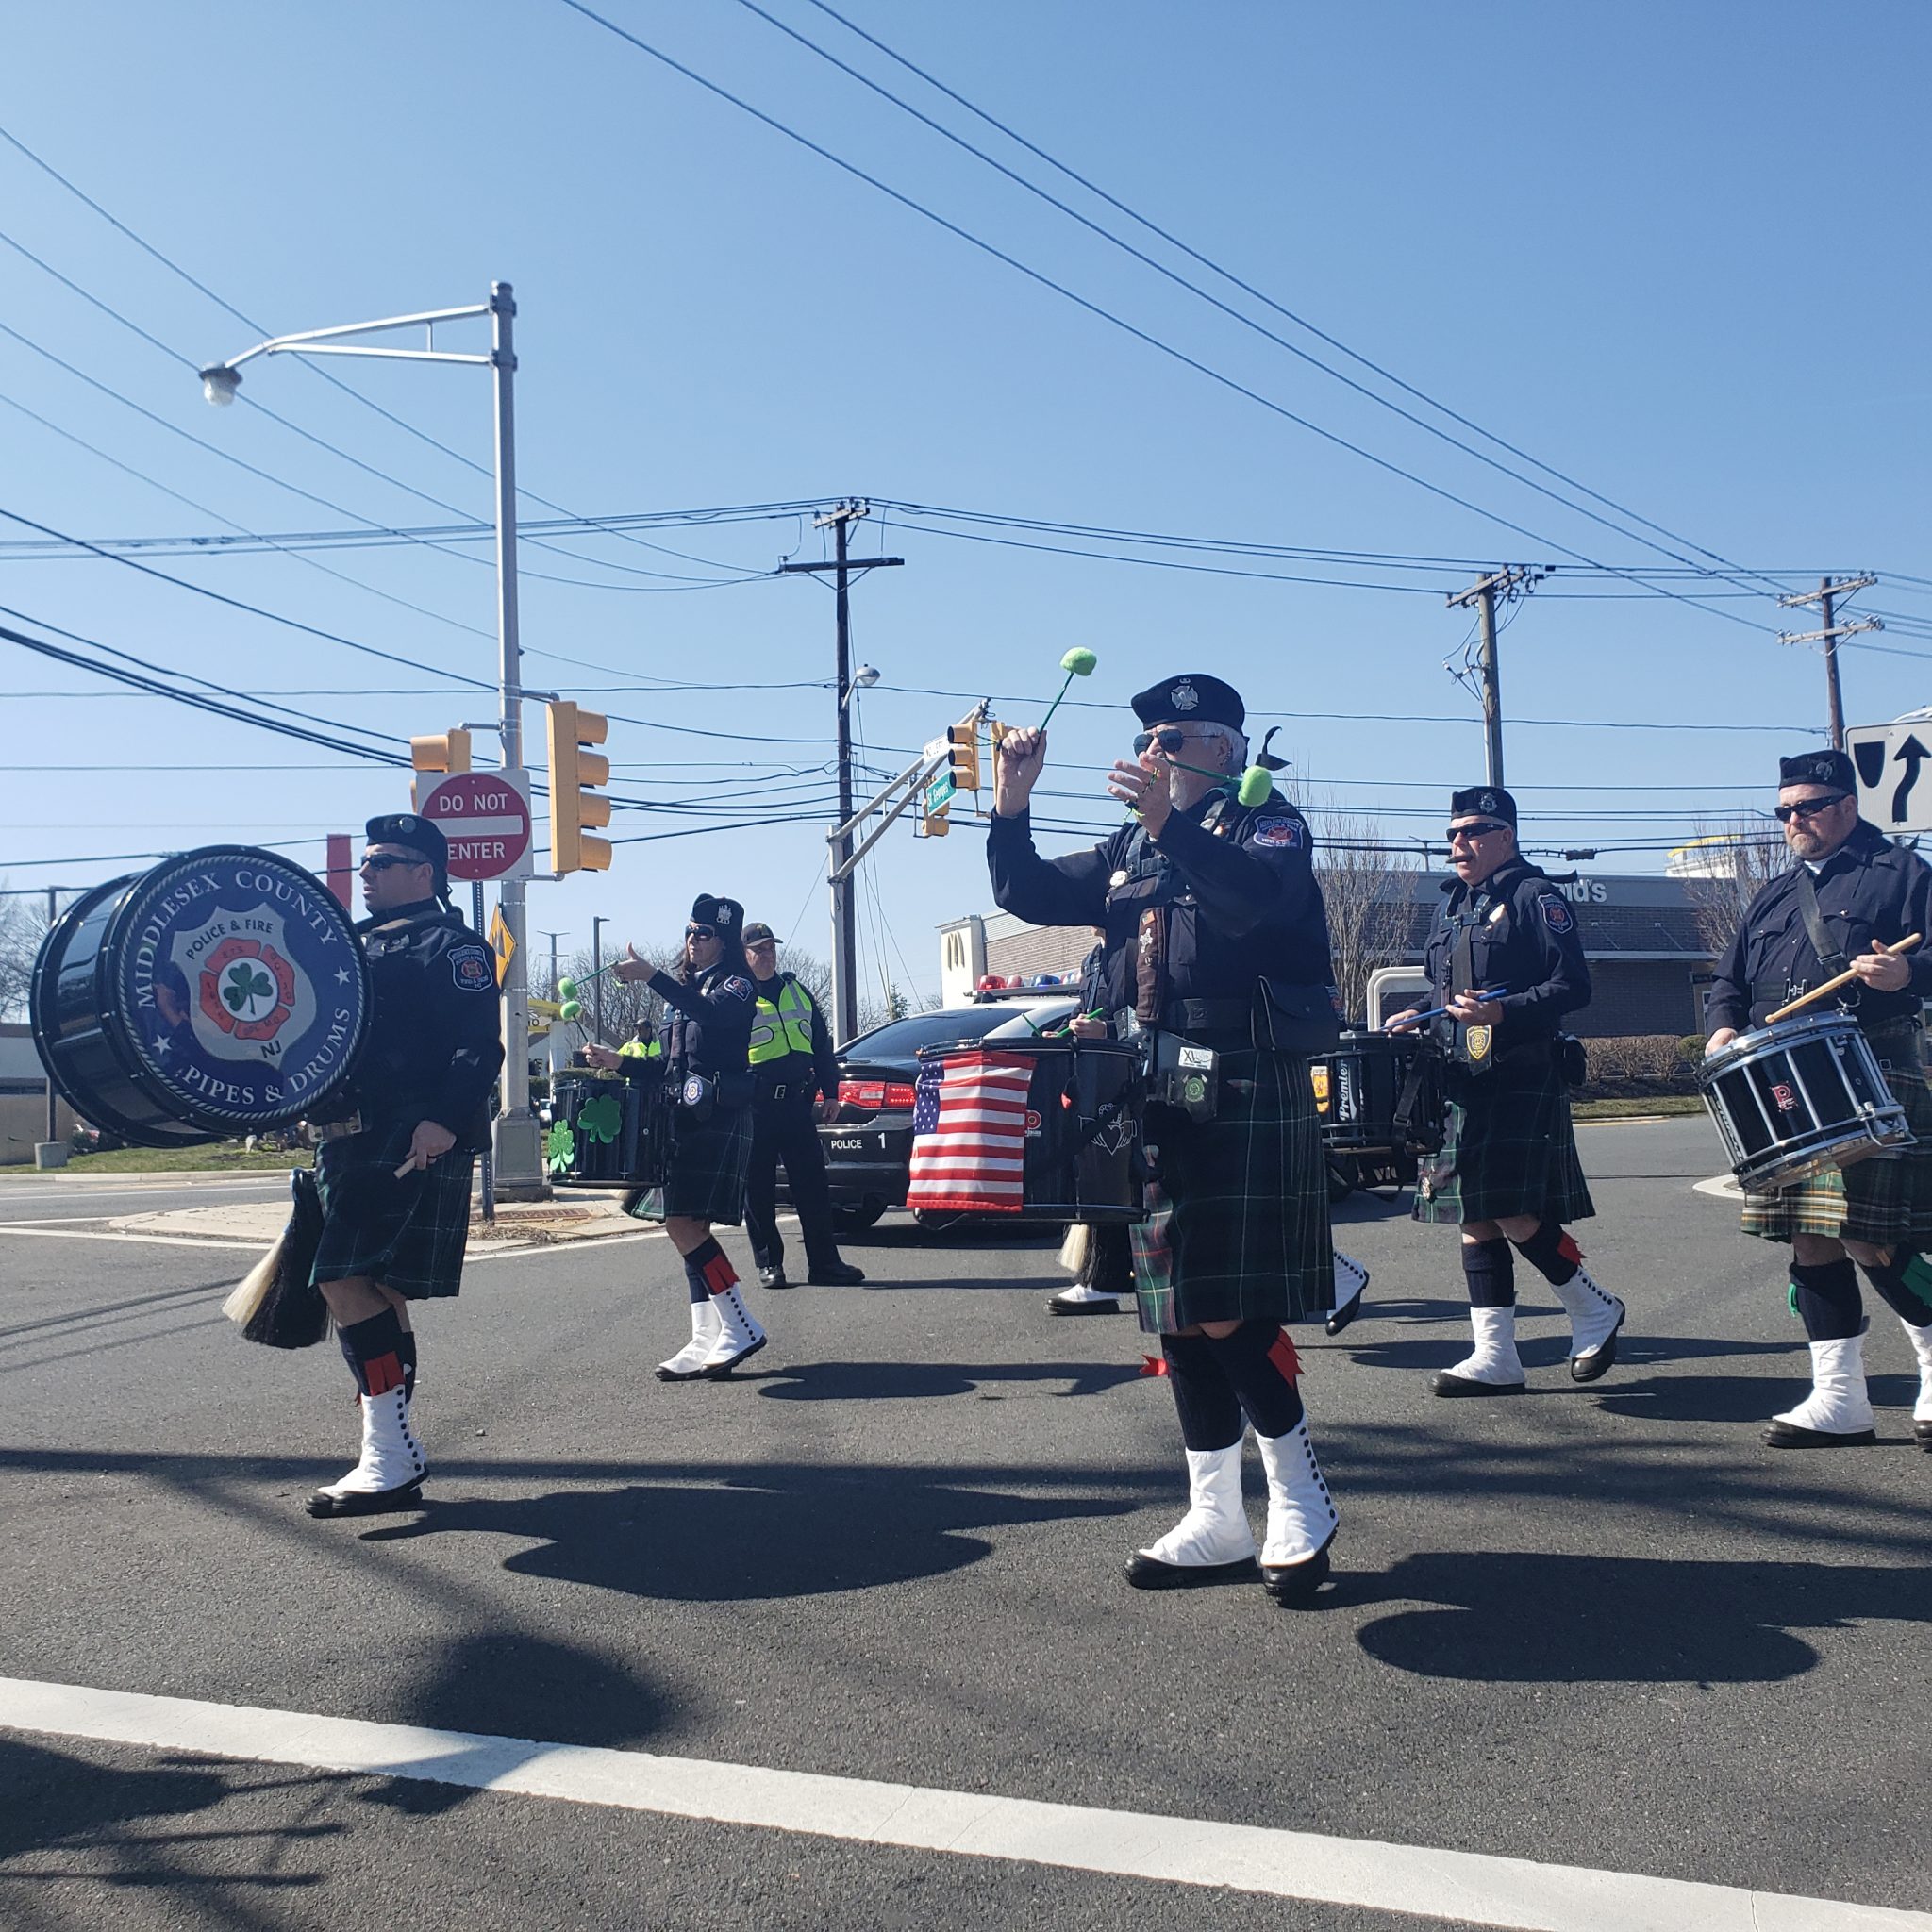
[636, 1050]
[782, 1027]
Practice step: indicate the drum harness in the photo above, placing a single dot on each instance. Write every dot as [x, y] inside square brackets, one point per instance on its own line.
[1901, 1032]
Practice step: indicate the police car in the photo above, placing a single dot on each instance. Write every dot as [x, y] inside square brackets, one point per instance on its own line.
[868, 1148]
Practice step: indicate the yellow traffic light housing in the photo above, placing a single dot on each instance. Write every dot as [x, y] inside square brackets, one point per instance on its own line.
[448, 751]
[963, 740]
[572, 805]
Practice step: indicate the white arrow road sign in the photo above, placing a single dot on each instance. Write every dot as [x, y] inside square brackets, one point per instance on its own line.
[1894, 767]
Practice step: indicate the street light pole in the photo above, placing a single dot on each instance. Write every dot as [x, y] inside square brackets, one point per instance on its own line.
[514, 1139]
[597, 925]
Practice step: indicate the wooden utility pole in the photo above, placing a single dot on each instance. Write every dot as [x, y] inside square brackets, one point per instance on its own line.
[843, 566]
[1826, 596]
[1513, 580]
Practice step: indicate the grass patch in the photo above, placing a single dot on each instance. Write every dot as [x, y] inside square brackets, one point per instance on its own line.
[220, 1157]
[1631, 1109]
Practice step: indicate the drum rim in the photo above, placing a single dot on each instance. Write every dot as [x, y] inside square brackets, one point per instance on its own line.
[1738, 1052]
[127, 1049]
[1065, 1043]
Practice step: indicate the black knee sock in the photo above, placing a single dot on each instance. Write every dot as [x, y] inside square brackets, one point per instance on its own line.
[1209, 1411]
[1260, 1362]
[1551, 1252]
[1827, 1298]
[708, 1271]
[1894, 1284]
[374, 1350]
[1490, 1270]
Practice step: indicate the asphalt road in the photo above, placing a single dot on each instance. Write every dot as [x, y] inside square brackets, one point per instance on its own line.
[1595, 1626]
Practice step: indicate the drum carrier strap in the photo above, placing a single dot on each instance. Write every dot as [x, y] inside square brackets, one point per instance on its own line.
[1410, 1097]
[1829, 957]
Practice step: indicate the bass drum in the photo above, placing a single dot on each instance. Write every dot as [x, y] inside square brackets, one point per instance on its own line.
[223, 993]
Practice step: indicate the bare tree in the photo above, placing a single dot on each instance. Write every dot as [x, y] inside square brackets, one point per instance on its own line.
[1370, 894]
[1728, 865]
[22, 923]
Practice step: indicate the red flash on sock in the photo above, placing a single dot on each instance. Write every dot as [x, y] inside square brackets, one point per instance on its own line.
[720, 1275]
[382, 1373]
[1284, 1357]
[1568, 1249]
[1153, 1365]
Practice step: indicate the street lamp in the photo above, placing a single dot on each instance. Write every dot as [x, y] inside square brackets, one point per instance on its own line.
[863, 679]
[519, 1174]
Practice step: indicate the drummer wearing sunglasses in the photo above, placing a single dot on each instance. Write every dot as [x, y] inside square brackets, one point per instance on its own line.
[1842, 907]
[1506, 964]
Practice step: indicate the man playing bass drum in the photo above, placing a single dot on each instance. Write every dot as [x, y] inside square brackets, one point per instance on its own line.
[1850, 896]
[1507, 1172]
[1215, 934]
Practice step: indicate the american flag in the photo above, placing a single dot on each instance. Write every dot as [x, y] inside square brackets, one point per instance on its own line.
[969, 1133]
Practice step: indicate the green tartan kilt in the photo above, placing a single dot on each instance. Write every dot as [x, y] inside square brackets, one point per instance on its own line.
[1885, 1199]
[408, 1234]
[1510, 1148]
[1237, 1227]
[709, 1163]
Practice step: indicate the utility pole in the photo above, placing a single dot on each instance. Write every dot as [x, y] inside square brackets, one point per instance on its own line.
[53, 1122]
[1826, 596]
[1513, 580]
[597, 925]
[843, 566]
[553, 938]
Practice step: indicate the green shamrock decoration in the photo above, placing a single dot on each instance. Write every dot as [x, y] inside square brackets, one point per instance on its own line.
[561, 1148]
[246, 984]
[602, 1119]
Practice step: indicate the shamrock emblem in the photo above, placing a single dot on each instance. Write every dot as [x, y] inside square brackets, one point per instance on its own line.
[601, 1118]
[246, 984]
[561, 1148]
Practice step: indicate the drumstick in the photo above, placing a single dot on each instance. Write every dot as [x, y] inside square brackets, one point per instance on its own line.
[1817, 993]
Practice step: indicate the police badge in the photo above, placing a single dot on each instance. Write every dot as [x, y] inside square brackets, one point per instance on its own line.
[1475, 1043]
[1184, 697]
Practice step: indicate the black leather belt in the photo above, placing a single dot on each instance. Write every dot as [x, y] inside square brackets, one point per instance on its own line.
[1192, 1017]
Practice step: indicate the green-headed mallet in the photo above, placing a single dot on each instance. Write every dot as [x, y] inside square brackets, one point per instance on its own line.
[1078, 662]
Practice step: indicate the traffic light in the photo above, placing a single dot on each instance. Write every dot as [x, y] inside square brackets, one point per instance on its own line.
[572, 806]
[934, 823]
[449, 751]
[964, 742]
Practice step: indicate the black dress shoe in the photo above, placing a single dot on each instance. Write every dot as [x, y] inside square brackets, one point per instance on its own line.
[1294, 1585]
[366, 1503]
[721, 1371]
[839, 1274]
[1600, 1359]
[1790, 1435]
[773, 1277]
[1922, 1435]
[1444, 1383]
[1057, 1305]
[1150, 1573]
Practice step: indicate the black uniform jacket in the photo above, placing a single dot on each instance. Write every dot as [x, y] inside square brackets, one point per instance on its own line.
[822, 1072]
[711, 1015]
[1868, 890]
[434, 1038]
[1230, 889]
[1517, 931]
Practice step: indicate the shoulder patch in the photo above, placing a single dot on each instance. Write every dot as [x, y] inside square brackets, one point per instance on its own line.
[473, 968]
[738, 987]
[1290, 833]
[1556, 911]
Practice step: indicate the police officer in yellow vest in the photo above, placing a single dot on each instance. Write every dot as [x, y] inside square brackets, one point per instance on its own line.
[791, 1061]
[644, 1044]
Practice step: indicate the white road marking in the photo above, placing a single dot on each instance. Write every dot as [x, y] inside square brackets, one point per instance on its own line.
[148, 1240]
[1724, 1186]
[1427, 1883]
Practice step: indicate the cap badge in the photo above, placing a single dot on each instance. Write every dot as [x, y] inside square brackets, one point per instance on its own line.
[1822, 769]
[1487, 802]
[1184, 697]
[406, 825]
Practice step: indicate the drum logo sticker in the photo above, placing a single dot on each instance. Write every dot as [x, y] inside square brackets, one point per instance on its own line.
[1557, 913]
[1033, 1121]
[1787, 1100]
[1280, 832]
[1318, 1078]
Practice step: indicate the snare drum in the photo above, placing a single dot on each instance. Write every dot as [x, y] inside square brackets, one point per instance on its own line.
[608, 1131]
[1794, 1099]
[1048, 1130]
[1381, 1094]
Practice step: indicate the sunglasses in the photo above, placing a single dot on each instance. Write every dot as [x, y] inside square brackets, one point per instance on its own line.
[1170, 737]
[381, 861]
[1480, 830]
[1808, 807]
[701, 932]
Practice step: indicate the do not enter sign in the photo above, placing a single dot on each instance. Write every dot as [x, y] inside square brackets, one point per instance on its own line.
[486, 817]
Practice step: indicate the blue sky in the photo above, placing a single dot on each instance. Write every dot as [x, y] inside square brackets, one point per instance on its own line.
[1668, 251]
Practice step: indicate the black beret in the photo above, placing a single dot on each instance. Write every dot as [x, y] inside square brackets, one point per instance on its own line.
[416, 832]
[727, 915]
[1817, 768]
[1492, 801]
[1192, 698]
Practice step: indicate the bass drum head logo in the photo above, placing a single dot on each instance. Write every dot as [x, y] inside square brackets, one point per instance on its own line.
[240, 987]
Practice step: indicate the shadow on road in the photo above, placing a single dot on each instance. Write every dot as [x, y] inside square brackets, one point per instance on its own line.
[911, 1381]
[1511, 1618]
[784, 1532]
